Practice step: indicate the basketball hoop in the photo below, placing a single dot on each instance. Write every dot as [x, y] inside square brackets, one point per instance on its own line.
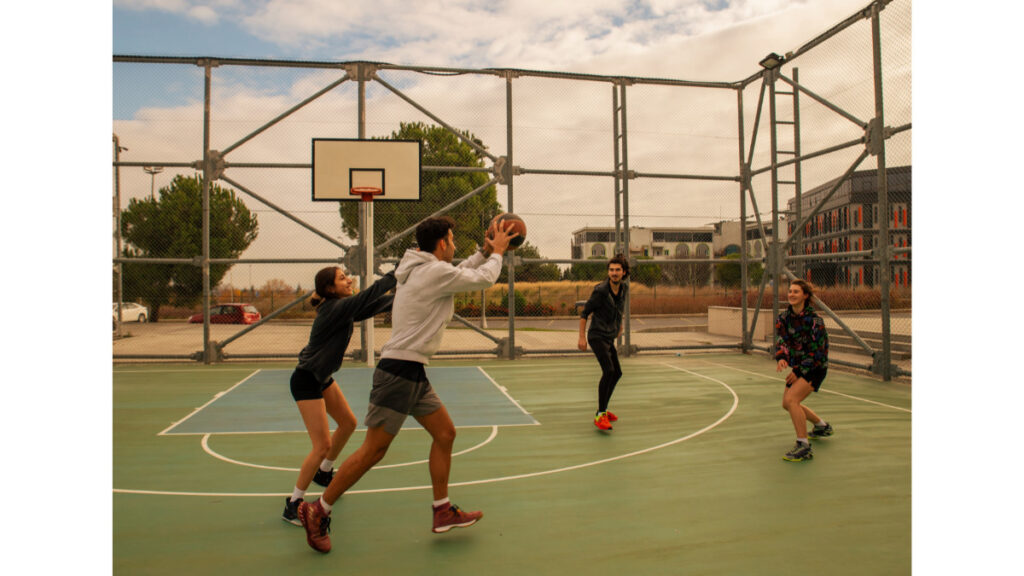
[366, 192]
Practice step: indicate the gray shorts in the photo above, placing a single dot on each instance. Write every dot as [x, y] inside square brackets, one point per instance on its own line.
[400, 388]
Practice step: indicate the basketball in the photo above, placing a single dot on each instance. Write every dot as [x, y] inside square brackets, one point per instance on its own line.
[518, 226]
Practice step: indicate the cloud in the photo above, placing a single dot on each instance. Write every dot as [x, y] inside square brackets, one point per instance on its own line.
[204, 14]
[173, 6]
[208, 12]
[559, 124]
[538, 34]
[517, 33]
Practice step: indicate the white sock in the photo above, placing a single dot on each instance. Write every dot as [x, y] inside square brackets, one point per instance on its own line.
[803, 441]
[326, 506]
[327, 465]
[441, 502]
[298, 494]
[820, 424]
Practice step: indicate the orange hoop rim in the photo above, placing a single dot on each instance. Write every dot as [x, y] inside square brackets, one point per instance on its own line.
[364, 190]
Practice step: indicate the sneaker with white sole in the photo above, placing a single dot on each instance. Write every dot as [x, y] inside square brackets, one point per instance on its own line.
[821, 431]
[291, 511]
[317, 523]
[799, 452]
[448, 516]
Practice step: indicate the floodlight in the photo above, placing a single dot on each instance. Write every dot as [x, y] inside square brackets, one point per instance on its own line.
[772, 61]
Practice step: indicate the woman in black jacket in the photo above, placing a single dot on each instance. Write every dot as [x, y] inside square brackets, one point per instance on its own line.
[313, 387]
[607, 305]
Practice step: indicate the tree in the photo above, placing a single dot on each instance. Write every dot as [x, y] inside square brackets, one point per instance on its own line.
[171, 227]
[276, 286]
[531, 272]
[277, 292]
[645, 273]
[438, 189]
[728, 274]
[581, 271]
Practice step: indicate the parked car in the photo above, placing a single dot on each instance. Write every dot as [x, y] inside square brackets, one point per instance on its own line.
[132, 312]
[229, 314]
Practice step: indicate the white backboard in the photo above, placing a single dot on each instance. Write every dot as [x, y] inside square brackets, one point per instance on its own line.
[340, 164]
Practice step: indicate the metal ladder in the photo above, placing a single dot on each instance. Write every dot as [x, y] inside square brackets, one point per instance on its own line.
[796, 182]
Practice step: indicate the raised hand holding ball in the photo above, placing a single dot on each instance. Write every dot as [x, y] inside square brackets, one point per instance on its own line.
[511, 223]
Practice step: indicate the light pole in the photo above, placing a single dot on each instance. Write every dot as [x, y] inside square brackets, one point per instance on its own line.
[152, 171]
[117, 223]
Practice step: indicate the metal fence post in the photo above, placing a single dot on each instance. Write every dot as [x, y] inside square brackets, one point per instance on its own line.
[511, 198]
[746, 341]
[118, 287]
[365, 226]
[208, 346]
[877, 140]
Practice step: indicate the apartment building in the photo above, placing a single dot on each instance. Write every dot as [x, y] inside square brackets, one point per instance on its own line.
[848, 222]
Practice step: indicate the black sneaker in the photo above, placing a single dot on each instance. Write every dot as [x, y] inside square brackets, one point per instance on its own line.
[323, 478]
[820, 431]
[291, 511]
[799, 452]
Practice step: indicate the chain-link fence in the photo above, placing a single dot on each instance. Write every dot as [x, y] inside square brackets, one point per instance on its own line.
[719, 192]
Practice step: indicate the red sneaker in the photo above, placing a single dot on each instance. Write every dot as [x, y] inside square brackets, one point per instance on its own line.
[611, 416]
[601, 421]
[317, 523]
[448, 516]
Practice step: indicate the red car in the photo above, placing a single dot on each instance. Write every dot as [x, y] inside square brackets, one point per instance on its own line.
[229, 314]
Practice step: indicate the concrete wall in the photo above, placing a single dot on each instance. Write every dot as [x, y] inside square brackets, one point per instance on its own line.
[726, 321]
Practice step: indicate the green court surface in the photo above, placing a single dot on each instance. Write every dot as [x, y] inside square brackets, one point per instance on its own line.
[690, 481]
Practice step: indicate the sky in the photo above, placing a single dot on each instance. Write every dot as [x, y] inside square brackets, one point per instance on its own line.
[562, 127]
[524, 33]
[61, 101]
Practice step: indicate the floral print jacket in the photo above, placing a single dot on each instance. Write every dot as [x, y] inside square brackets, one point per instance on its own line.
[801, 340]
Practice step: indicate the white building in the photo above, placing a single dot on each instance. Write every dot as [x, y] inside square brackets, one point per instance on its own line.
[715, 240]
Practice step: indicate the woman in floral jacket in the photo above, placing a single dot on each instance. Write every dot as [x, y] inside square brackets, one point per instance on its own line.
[802, 344]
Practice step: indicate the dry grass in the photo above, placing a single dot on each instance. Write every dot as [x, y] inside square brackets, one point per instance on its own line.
[562, 298]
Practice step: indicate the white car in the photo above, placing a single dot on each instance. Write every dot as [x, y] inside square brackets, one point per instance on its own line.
[132, 312]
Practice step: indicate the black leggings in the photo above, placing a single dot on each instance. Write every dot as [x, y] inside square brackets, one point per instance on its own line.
[608, 358]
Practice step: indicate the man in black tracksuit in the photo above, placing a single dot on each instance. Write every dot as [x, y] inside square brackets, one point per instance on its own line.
[607, 305]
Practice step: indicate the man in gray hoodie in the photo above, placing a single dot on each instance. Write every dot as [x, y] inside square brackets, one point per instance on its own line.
[423, 306]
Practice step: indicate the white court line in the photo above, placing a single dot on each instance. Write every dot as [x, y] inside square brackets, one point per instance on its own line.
[177, 370]
[405, 428]
[215, 397]
[732, 409]
[206, 447]
[505, 392]
[823, 390]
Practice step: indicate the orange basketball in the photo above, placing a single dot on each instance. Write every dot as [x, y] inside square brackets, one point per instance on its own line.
[518, 226]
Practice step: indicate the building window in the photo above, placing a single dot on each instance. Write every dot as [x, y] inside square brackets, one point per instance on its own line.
[682, 251]
[598, 251]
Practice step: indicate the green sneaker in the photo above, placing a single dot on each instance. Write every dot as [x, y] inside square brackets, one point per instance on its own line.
[820, 431]
[799, 452]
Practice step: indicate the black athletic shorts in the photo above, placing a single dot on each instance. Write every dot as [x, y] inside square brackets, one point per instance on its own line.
[305, 386]
[400, 388]
[815, 377]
